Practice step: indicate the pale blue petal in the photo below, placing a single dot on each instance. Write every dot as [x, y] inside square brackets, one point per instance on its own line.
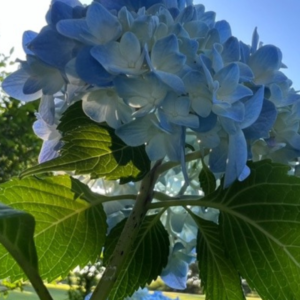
[102, 24]
[14, 83]
[47, 109]
[49, 150]
[240, 92]
[202, 106]
[237, 158]
[136, 133]
[217, 60]
[245, 52]
[130, 47]
[229, 125]
[78, 30]
[246, 73]
[173, 81]
[175, 275]
[261, 127]
[255, 39]
[218, 157]
[165, 55]
[253, 107]
[138, 92]
[28, 36]
[109, 56]
[224, 30]
[196, 29]
[235, 112]
[228, 77]
[231, 50]
[265, 59]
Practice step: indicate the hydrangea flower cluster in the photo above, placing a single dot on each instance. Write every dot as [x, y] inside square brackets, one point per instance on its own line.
[161, 73]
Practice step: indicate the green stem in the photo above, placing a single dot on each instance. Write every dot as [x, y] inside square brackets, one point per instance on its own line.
[128, 236]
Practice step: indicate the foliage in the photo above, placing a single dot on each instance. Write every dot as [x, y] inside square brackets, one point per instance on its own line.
[19, 146]
[180, 144]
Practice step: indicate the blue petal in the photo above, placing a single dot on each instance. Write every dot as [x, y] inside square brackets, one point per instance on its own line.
[255, 39]
[224, 30]
[175, 275]
[261, 127]
[206, 124]
[228, 78]
[49, 150]
[217, 59]
[235, 112]
[245, 52]
[78, 30]
[237, 158]
[14, 83]
[59, 11]
[90, 70]
[218, 157]
[231, 50]
[102, 24]
[53, 48]
[266, 59]
[165, 55]
[246, 73]
[47, 109]
[28, 36]
[134, 5]
[253, 108]
[136, 133]
[173, 81]
[196, 29]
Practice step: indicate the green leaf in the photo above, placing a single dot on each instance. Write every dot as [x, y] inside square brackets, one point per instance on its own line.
[94, 149]
[16, 235]
[218, 275]
[69, 231]
[207, 180]
[260, 227]
[149, 256]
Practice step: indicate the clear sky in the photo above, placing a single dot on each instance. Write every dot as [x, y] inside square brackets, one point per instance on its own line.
[278, 23]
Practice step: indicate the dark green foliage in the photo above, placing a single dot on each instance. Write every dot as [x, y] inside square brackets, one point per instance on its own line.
[148, 256]
[19, 147]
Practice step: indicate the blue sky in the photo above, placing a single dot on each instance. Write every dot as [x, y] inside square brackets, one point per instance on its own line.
[278, 23]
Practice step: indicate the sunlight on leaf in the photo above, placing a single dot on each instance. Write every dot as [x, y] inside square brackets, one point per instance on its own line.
[94, 149]
[69, 231]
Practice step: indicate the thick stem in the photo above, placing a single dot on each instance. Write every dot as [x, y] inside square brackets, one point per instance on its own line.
[127, 237]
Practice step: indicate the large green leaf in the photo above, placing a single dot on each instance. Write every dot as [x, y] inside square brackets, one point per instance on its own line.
[260, 227]
[149, 255]
[16, 235]
[94, 149]
[69, 231]
[218, 275]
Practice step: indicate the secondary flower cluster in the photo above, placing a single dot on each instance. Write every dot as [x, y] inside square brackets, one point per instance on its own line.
[162, 73]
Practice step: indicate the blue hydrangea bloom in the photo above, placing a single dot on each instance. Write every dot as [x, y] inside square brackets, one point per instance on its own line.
[162, 73]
